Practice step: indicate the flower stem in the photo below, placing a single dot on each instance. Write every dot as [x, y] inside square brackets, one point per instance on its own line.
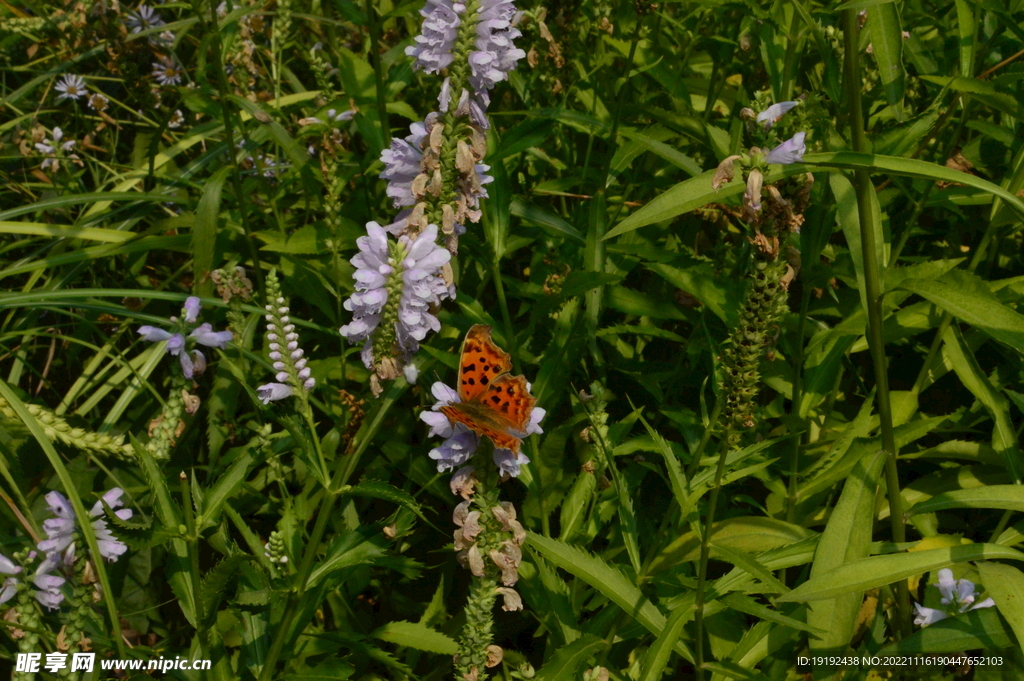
[872, 279]
[378, 70]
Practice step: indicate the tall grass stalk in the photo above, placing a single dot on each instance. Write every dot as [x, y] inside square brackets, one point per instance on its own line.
[869, 229]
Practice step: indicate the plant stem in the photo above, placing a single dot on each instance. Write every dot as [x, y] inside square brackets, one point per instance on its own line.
[229, 134]
[193, 558]
[705, 552]
[378, 71]
[873, 292]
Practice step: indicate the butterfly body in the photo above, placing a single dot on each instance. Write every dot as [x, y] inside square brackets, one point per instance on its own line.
[492, 402]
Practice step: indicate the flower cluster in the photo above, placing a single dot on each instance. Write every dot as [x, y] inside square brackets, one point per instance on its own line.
[437, 177]
[47, 585]
[461, 443]
[293, 376]
[193, 361]
[958, 594]
[397, 283]
[56, 151]
[62, 532]
[487, 24]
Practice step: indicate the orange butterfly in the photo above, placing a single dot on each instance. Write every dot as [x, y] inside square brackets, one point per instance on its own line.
[493, 402]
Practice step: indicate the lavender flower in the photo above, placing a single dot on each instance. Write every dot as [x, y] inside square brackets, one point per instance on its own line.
[772, 114]
[958, 594]
[461, 443]
[166, 71]
[433, 49]
[70, 87]
[205, 335]
[408, 297]
[495, 53]
[422, 288]
[192, 307]
[62, 532]
[402, 165]
[9, 587]
[926, 616]
[193, 362]
[48, 594]
[790, 151]
[272, 392]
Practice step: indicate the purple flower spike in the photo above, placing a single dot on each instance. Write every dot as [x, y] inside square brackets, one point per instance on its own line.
[402, 165]
[790, 151]
[205, 335]
[433, 48]
[192, 307]
[495, 53]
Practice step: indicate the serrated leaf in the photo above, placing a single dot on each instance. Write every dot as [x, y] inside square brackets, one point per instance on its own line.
[381, 490]
[215, 585]
[1008, 497]
[227, 484]
[358, 547]
[418, 636]
[607, 579]
[567, 660]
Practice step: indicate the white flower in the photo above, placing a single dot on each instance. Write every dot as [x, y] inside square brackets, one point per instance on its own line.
[145, 19]
[70, 87]
[772, 114]
[176, 119]
[166, 71]
[926, 616]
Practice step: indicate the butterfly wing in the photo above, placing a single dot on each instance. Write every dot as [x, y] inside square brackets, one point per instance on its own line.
[480, 363]
[501, 412]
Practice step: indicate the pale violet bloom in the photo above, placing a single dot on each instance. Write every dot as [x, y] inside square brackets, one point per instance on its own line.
[340, 116]
[192, 307]
[495, 53]
[145, 19]
[402, 165]
[772, 114]
[790, 151]
[926, 616]
[154, 334]
[48, 585]
[508, 462]
[272, 392]
[205, 335]
[175, 344]
[432, 50]
[958, 594]
[70, 87]
[9, 587]
[421, 288]
[62, 531]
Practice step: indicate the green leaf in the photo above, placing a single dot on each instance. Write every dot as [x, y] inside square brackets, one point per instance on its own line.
[966, 28]
[227, 484]
[1008, 497]
[1004, 436]
[848, 215]
[376, 489]
[528, 211]
[887, 42]
[567, 660]
[721, 295]
[847, 537]
[1005, 584]
[659, 654]
[606, 579]
[665, 151]
[354, 548]
[968, 298]
[215, 585]
[868, 573]
[973, 630]
[204, 232]
[418, 636]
